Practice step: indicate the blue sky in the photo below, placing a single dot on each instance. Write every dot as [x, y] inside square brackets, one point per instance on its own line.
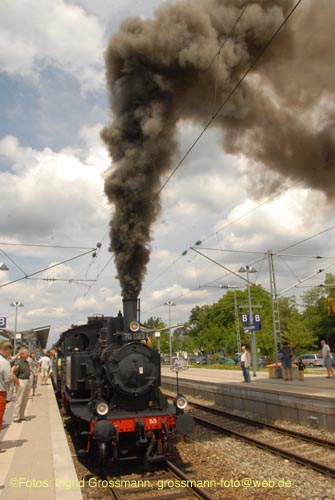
[54, 103]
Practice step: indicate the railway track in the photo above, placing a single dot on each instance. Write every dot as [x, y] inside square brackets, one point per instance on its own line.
[159, 481]
[313, 452]
[167, 483]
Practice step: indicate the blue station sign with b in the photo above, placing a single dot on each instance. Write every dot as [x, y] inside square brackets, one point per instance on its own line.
[2, 321]
[255, 325]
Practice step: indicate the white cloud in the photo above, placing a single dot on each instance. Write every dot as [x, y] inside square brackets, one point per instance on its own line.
[55, 190]
[118, 9]
[50, 312]
[35, 35]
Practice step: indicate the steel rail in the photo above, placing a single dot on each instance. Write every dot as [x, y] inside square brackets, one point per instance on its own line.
[266, 425]
[323, 468]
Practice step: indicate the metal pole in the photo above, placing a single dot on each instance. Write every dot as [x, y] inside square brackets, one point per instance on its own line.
[170, 303]
[170, 335]
[275, 306]
[15, 304]
[252, 331]
[15, 327]
[237, 324]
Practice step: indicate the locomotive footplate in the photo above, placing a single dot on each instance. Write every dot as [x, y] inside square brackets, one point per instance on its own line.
[82, 412]
[132, 424]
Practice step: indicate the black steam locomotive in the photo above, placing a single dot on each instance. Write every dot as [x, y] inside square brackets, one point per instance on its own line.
[109, 381]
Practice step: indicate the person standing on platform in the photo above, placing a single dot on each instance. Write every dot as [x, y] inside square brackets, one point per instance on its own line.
[60, 359]
[34, 365]
[22, 370]
[45, 365]
[327, 359]
[245, 363]
[5, 378]
[301, 368]
[11, 388]
[286, 360]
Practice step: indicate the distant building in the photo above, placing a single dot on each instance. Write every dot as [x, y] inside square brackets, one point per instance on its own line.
[34, 339]
[4, 335]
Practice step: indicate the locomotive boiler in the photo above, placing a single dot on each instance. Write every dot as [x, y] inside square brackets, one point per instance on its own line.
[109, 379]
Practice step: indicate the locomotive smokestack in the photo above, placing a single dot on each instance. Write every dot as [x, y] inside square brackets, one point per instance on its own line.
[162, 70]
[130, 311]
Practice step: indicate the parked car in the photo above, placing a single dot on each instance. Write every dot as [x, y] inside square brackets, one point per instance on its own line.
[261, 361]
[237, 357]
[225, 361]
[203, 360]
[310, 359]
[332, 355]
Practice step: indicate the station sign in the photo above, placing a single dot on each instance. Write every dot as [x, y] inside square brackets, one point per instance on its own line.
[249, 328]
[3, 321]
[255, 325]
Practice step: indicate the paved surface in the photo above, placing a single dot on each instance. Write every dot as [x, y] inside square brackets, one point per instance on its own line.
[313, 385]
[37, 464]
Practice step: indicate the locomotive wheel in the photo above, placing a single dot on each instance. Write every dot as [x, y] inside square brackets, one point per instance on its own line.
[101, 453]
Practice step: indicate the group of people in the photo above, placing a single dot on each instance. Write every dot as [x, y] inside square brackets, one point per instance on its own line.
[285, 356]
[21, 372]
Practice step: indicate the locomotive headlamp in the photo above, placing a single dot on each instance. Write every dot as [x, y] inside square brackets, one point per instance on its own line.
[102, 408]
[180, 402]
[134, 326]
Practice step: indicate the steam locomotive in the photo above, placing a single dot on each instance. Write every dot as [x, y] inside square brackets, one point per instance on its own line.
[109, 381]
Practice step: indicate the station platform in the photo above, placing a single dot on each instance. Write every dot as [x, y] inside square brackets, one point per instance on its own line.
[37, 463]
[311, 402]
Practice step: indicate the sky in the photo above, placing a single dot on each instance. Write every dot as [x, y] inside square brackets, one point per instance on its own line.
[229, 207]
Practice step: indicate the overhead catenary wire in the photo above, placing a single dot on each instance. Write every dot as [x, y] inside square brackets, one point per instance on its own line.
[230, 272]
[39, 245]
[27, 276]
[253, 209]
[13, 261]
[237, 20]
[315, 273]
[229, 96]
[67, 280]
[218, 53]
[279, 253]
[216, 113]
[76, 302]
[78, 281]
[226, 226]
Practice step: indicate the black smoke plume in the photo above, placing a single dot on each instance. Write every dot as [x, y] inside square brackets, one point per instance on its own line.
[162, 70]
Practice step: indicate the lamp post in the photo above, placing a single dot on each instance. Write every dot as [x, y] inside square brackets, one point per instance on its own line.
[170, 304]
[15, 304]
[248, 270]
[3, 319]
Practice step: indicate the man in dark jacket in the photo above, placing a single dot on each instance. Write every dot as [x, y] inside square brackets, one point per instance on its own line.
[22, 370]
[286, 360]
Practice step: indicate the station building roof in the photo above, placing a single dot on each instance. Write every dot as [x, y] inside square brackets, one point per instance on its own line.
[37, 337]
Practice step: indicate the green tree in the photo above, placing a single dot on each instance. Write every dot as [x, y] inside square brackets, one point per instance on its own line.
[299, 335]
[316, 310]
[157, 324]
[213, 328]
